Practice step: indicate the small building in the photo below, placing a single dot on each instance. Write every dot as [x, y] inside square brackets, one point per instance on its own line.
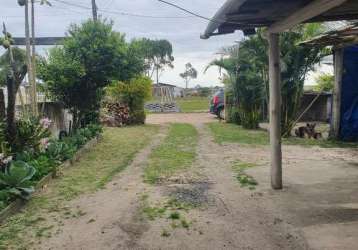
[167, 89]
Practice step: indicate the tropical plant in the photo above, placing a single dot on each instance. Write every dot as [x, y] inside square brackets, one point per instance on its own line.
[30, 133]
[246, 65]
[59, 151]
[43, 165]
[189, 74]
[91, 57]
[16, 179]
[325, 82]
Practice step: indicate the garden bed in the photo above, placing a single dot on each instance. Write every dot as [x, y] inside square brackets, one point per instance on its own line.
[18, 204]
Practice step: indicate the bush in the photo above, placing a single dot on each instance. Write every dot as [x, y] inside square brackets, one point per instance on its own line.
[234, 115]
[30, 133]
[133, 93]
[137, 117]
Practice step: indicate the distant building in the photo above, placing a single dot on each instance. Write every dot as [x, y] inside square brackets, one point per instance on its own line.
[167, 89]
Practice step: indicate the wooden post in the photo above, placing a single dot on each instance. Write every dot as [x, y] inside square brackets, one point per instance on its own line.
[337, 93]
[275, 110]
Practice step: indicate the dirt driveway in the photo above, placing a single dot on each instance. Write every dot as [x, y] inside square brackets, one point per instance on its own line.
[193, 118]
[318, 208]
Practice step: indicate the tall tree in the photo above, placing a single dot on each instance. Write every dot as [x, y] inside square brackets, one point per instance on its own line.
[189, 74]
[158, 54]
[91, 57]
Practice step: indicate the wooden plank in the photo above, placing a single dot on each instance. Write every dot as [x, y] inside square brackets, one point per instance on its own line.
[46, 41]
[337, 92]
[275, 110]
[311, 10]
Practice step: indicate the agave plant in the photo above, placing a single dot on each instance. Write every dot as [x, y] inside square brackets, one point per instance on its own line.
[16, 179]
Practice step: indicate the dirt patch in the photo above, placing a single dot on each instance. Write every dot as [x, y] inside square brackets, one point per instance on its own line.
[196, 195]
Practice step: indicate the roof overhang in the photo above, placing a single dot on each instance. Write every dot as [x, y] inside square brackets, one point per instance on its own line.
[339, 38]
[277, 15]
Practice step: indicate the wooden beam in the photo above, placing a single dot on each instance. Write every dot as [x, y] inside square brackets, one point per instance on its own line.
[275, 110]
[309, 11]
[46, 41]
[337, 92]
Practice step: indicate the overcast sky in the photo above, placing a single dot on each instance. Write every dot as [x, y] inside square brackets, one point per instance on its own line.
[183, 33]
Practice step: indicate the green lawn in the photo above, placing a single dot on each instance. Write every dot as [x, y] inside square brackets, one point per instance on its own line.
[177, 152]
[91, 173]
[225, 132]
[193, 104]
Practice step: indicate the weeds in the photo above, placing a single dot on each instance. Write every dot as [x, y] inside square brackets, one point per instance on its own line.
[169, 210]
[244, 179]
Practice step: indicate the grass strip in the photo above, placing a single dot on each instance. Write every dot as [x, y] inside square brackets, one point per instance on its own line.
[92, 172]
[231, 133]
[177, 152]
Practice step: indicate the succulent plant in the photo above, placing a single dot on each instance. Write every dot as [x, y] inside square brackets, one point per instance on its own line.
[16, 179]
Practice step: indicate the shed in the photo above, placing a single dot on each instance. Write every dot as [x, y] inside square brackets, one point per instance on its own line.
[343, 41]
[278, 16]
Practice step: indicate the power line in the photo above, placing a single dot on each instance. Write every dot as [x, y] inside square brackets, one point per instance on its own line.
[185, 10]
[219, 21]
[121, 12]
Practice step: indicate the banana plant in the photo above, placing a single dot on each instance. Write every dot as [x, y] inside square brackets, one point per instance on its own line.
[16, 179]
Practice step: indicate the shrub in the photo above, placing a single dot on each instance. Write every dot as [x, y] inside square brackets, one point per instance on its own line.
[43, 165]
[30, 133]
[133, 93]
[234, 115]
[60, 151]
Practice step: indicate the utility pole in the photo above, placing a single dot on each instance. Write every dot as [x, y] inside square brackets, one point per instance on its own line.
[28, 57]
[94, 10]
[33, 58]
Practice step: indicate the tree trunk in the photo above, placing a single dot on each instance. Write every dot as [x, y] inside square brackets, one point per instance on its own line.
[11, 102]
[2, 105]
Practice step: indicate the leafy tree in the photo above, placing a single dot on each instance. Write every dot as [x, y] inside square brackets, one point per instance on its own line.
[91, 57]
[158, 54]
[189, 74]
[325, 82]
